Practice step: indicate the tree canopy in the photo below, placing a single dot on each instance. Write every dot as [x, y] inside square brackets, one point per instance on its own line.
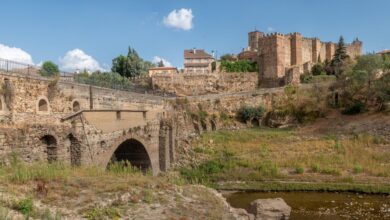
[130, 65]
[340, 57]
[239, 66]
[49, 69]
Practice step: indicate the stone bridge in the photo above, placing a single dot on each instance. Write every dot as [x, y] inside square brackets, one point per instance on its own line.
[53, 120]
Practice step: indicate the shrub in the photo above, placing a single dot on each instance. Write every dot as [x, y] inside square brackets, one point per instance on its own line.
[318, 69]
[25, 206]
[49, 69]
[354, 108]
[316, 168]
[357, 169]
[299, 170]
[248, 114]
[239, 66]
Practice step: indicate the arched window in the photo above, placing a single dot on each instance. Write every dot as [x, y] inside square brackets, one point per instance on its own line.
[43, 106]
[76, 106]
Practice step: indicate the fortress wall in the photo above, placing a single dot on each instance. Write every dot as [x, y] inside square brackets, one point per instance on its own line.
[198, 84]
[323, 52]
[307, 49]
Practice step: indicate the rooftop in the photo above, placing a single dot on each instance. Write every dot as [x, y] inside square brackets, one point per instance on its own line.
[196, 54]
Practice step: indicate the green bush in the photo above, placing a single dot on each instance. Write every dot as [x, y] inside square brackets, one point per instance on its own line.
[248, 114]
[239, 66]
[299, 170]
[318, 69]
[354, 108]
[357, 169]
[25, 206]
[49, 69]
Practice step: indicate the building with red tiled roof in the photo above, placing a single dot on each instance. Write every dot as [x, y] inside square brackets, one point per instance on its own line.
[384, 52]
[197, 61]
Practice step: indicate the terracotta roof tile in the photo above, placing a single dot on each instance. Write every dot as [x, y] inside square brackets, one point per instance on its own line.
[189, 54]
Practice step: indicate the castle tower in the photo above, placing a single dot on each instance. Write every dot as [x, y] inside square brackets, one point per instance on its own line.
[316, 50]
[272, 63]
[253, 40]
[296, 49]
[330, 50]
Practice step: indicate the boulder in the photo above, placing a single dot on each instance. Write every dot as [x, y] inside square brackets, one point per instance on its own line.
[270, 209]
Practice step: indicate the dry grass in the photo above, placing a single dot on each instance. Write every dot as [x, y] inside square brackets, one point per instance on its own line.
[258, 154]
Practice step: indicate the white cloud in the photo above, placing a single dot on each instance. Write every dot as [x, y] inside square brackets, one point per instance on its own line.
[15, 54]
[157, 59]
[76, 59]
[270, 29]
[180, 19]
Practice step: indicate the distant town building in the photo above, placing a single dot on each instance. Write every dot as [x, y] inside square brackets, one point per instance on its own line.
[164, 70]
[282, 58]
[197, 61]
[384, 52]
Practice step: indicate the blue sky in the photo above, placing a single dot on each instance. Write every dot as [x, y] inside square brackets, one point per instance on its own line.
[103, 29]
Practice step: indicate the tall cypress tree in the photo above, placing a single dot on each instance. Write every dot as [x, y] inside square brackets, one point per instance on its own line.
[339, 57]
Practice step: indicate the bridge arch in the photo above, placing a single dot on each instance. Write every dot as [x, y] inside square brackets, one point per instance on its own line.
[133, 151]
[137, 150]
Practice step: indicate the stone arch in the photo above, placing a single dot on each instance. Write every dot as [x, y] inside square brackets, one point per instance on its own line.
[75, 150]
[76, 106]
[43, 105]
[50, 144]
[133, 151]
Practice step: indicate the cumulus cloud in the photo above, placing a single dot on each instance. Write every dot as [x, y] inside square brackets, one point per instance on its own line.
[157, 59]
[180, 19]
[15, 54]
[77, 59]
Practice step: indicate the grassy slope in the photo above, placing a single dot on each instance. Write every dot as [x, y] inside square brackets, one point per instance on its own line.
[288, 156]
[57, 192]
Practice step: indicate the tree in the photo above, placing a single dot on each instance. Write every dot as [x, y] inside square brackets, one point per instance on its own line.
[340, 58]
[130, 65]
[49, 69]
[160, 64]
[227, 57]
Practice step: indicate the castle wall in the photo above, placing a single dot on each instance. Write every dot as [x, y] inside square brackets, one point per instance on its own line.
[197, 84]
[287, 50]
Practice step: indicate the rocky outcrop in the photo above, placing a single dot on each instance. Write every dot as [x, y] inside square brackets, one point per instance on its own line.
[270, 209]
[275, 119]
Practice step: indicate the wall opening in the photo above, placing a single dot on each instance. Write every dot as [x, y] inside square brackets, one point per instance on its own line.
[50, 144]
[76, 106]
[75, 151]
[43, 106]
[336, 99]
[132, 152]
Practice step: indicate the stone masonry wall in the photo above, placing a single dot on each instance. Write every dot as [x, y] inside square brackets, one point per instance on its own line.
[198, 84]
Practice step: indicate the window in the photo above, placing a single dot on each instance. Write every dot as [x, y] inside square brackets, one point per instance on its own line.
[43, 106]
[76, 106]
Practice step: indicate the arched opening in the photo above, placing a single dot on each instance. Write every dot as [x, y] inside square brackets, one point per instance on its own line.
[75, 151]
[134, 152]
[76, 106]
[50, 144]
[43, 106]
